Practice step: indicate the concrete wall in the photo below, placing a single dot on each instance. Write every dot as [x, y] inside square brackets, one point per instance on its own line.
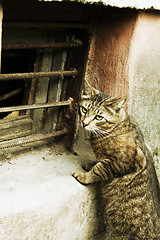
[144, 75]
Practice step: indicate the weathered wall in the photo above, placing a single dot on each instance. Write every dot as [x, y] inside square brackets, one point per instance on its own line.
[144, 75]
[108, 67]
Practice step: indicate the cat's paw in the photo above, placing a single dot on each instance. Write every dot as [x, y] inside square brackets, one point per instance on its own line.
[81, 177]
[88, 166]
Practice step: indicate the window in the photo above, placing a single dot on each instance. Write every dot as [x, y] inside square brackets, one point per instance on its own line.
[42, 69]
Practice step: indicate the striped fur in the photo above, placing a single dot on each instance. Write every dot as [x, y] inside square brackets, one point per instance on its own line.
[124, 167]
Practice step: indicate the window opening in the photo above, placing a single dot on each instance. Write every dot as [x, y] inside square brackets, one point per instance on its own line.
[13, 93]
[36, 76]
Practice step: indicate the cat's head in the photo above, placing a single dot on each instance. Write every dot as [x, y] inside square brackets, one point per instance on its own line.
[100, 113]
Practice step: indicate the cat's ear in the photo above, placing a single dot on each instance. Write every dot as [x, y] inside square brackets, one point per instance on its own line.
[115, 104]
[88, 91]
[118, 103]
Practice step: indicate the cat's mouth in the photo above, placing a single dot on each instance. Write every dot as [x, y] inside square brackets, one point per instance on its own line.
[93, 130]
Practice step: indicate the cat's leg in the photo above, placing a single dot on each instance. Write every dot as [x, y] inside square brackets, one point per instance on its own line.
[96, 174]
[105, 170]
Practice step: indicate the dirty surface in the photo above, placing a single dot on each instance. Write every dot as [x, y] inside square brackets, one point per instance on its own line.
[41, 200]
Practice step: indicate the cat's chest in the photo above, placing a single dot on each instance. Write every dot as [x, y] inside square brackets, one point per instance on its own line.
[103, 147]
[113, 146]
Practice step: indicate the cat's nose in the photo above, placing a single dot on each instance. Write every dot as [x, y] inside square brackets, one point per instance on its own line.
[84, 124]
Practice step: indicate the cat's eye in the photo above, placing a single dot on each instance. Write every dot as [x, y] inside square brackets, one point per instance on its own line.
[98, 117]
[84, 110]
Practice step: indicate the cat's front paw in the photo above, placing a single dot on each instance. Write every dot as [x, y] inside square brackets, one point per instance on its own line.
[81, 177]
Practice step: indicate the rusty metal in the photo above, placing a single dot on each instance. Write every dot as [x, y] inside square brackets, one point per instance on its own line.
[35, 138]
[45, 25]
[10, 94]
[42, 45]
[36, 106]
[30, 75]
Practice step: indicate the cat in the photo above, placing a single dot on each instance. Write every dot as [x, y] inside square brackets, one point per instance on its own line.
[124, 167]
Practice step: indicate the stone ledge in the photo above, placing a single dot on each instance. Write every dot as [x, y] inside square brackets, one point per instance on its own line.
[41, 200]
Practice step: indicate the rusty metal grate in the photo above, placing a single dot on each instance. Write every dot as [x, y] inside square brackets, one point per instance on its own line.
[10, 94]
[46, 25]
[21, 76]
[35, 138]
[43, 45]
[36, 106]
[47, 91]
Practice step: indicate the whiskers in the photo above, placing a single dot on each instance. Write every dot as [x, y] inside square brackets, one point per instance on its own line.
[100, 133]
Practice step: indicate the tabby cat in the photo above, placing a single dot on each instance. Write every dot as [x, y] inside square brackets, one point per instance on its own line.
[125, 168]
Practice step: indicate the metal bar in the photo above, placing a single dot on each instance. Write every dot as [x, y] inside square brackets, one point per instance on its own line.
[42, 45]
[37, 137]
[36, 106]
[45, 25]
[16, 76]
[10, 94]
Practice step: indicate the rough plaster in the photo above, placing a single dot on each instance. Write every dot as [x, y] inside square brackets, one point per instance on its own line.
[144, 78]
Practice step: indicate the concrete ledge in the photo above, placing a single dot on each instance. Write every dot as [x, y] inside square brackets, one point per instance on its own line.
[41, 200]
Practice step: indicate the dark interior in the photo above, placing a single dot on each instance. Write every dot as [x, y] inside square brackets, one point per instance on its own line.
[15, 61]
